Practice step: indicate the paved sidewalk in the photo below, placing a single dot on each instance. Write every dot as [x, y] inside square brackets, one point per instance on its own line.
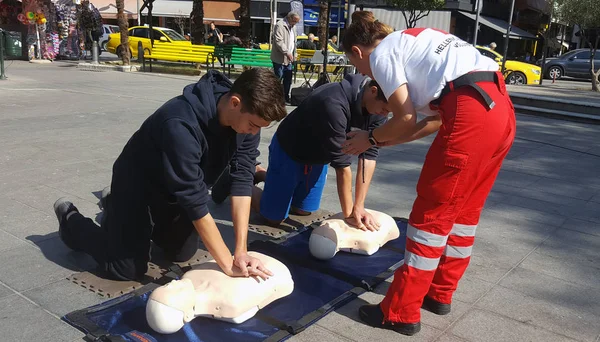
[578, 91]
[534, 274]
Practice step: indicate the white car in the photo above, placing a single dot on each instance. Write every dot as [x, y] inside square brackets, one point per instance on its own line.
[106, 31]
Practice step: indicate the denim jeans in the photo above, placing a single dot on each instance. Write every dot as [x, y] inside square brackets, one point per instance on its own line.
[284, 72]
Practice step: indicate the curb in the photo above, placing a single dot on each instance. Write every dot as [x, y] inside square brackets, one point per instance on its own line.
[104, 67]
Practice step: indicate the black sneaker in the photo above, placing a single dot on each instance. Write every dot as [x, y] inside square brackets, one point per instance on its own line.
[436, 307]
[105, 194]
[373, 316]
[62, 207]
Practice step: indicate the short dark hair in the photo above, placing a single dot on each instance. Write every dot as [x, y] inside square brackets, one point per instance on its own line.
[261, 93]
[380, 95]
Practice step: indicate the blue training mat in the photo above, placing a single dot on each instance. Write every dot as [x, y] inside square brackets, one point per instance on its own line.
[319, 288]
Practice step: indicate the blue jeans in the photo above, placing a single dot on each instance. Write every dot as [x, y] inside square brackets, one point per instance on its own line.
[290, 183]
[284, 72]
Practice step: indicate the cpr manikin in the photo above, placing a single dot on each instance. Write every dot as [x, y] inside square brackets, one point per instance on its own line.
[208, 292]
[334, 235]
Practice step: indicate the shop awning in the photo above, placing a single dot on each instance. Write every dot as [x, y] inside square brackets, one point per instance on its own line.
[501, 26]
[221, 12]
[108, 8]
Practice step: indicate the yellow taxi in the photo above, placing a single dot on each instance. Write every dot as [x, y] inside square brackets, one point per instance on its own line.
[162, 35]
[516, 72]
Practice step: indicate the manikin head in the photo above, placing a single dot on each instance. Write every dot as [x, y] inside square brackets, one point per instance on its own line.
[361, 38]
[374, 100]
[171, 306]
[254, 101]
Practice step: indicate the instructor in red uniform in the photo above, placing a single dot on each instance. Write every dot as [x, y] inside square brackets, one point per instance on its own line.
[465, 100]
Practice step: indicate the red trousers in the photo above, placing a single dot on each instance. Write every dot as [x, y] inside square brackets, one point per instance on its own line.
[460, 169]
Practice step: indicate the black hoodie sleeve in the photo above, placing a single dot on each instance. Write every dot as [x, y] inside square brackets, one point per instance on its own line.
[337, 121]
[181, 150]
[374, 121]
[243, 166]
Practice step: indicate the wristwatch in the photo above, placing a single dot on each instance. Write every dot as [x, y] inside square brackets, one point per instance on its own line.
[372, 139]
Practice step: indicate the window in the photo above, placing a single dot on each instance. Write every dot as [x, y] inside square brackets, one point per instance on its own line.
[174, 35]
[487, 54]
[157, 34]
[583, 55]
[140, 33]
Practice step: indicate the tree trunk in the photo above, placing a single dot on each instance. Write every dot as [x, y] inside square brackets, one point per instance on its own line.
[198, 22]
[245, 23]
[595, 74]
[322, 23]
[123, 28]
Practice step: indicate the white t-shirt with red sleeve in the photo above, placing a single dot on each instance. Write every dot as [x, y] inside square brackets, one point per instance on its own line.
[426, 59]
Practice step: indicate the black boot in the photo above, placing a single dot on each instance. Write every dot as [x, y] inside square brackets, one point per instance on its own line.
[62, 208]
[373, 316]
[436, 307]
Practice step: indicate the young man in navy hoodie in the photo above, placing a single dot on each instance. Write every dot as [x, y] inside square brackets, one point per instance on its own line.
[159, 188]
[311, 137]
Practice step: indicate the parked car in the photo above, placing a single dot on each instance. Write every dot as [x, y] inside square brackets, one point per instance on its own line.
[162, 35]
[574, 63]
[107, 30]
[516, 72]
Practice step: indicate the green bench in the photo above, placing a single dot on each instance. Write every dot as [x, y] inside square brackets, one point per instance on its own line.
[222, 53]
[249, 57]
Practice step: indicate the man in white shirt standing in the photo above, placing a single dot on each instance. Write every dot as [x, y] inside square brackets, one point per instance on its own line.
[283, 51]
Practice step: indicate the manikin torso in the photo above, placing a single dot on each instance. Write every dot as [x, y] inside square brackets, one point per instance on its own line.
[207, 291]
[334, 235]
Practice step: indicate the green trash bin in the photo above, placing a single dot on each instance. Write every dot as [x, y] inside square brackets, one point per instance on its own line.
[12, 45]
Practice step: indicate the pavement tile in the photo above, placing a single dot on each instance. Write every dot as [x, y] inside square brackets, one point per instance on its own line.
[31, 225]
[9, 241]
[40, 197]
[84, 186]
[544, 313]
[26, 267]
[590, 212]
[5, 291]
[563, 189]
[450, 338]
[479, 325]
[63, 297]
[573, 246]
[518, 212]
[582, 226]
[318, 333]
[56, 251]
[345, 322]
[556, 291]
[516, 179]
[23, 321]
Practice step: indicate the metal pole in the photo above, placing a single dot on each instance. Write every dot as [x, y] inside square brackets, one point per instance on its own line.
[507, 38]
[339, 19]
[2, 35]
[478, 11]
[139, 19]
[94, 52]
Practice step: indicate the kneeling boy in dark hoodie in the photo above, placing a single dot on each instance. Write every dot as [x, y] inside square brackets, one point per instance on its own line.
[159, 188]
[311, 137]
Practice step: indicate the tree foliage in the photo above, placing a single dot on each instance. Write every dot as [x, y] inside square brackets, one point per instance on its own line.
[586, 15]
[414, 10]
